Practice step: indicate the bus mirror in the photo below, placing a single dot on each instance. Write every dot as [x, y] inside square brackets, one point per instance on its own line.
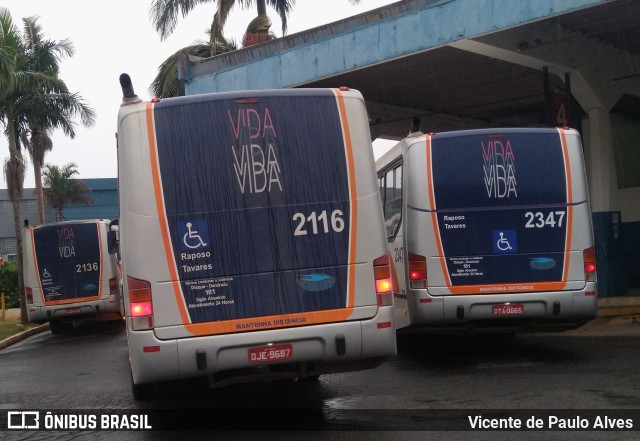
[112, 241]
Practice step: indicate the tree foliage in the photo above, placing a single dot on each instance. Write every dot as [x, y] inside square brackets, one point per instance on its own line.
[9, 284]
[164, 14]
[32, 96]
[61, 188]
[166, 83]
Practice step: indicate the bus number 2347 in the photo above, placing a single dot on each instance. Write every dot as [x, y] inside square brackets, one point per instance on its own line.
[540, 220]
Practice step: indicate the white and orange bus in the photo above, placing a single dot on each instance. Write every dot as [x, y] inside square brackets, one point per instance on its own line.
[69, 274]
[251, 237]
[490, 230]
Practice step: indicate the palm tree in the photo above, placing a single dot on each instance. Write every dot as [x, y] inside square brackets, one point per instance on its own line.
[164, 14]
[29, 96]
[35, 136]
[166, 83]
[10, 80]
[60, 188]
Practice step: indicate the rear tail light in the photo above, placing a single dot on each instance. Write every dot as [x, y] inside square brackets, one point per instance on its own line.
[141, 309]
[417, 271]
[140, 304]
[28, 293]
[113, 286]
[589, 258]
[384, 285]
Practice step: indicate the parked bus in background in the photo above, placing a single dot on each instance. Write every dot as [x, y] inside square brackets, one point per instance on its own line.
[490, 230]
[251, 237]
[69, 274]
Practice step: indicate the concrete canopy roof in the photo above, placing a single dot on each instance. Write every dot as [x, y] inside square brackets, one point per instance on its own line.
[474, 63]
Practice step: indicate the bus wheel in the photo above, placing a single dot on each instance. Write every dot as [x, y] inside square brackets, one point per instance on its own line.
[55, 326]
[310, 379]
[142, 392]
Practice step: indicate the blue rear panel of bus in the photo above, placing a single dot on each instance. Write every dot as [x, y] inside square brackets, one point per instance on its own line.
[69, 260]
[241, 179]
[501, 202]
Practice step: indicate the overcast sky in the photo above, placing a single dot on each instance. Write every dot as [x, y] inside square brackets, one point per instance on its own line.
[116, 36]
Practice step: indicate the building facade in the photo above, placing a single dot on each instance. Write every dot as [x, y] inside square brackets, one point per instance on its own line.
[104, 193]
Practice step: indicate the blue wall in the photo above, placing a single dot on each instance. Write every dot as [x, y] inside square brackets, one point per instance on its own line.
[104, 193]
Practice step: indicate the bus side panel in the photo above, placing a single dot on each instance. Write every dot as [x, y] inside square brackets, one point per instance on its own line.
[35, 312]
[370, 241]
[399, 273]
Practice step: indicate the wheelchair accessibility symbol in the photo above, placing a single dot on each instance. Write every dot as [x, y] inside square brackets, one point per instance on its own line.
[504, 241]
[194, 234]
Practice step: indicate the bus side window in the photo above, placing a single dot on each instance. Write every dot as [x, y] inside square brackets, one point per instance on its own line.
[392, 200]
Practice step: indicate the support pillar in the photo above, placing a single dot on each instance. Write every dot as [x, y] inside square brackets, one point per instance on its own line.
[603, 185]
[607, 222]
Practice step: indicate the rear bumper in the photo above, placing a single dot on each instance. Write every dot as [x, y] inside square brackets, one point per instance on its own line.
[107, 308]
[554, 311]
[224, 358]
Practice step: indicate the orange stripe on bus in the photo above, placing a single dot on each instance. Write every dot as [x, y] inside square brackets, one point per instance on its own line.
[434, 215]
[353, 237]
[162, 218]
[35, 265]
[101, 262]
[74, 300]
[270, 322]
[567, 166]
[510, 288]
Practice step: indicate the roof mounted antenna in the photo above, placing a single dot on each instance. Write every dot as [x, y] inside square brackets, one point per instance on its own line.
[415, 127]
[128, 95]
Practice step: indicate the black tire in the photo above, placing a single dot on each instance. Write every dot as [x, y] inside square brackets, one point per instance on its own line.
[143, 392]
[55, 326]
[310, 379]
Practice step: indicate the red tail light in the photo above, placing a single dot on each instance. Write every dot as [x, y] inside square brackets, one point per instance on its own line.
[417, 271]
[141, 309]
[384, 285]
[28, 293]
[140, 303]
[113, 286]
[589, 258]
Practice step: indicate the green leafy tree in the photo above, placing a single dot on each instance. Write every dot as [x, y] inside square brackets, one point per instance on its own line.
[60, 107]
[61, 188]
[30, 94]
[164, 14]
[9, 284]
[12, 82]
[166, 83]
